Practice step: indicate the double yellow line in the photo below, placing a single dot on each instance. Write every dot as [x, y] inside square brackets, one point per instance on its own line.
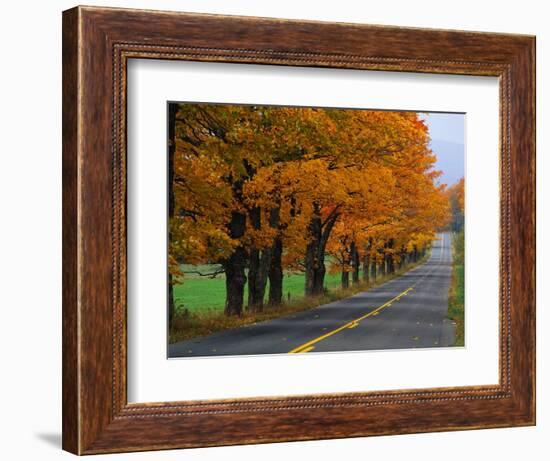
[309, 346]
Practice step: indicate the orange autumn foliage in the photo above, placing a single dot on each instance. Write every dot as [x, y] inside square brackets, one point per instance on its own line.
[314, 181]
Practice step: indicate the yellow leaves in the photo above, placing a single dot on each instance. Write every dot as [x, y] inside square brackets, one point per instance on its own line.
[196, 242]
[174, 269]
[456, 194]
[259, 239]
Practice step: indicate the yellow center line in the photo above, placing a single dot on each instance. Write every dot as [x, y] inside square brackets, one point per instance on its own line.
[306, 347]
[354, 323]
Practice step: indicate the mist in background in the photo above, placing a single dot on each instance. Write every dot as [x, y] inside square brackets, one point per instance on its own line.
[447, 142]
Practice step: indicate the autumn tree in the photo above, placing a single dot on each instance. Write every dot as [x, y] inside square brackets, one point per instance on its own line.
[216, 152]
[456, 199]
[367, 146]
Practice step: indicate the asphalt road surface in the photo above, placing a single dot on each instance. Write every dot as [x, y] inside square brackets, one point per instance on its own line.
[406, 312]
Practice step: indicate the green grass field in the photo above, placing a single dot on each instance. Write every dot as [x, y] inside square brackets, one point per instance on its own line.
[201, 294]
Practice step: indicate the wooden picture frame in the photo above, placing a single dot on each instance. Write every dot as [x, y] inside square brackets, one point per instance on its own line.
[97, 43]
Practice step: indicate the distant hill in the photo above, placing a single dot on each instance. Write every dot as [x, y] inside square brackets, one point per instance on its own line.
[450, 160]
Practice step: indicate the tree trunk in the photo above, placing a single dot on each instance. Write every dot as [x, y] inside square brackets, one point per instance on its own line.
[355, 263]
[319, 232]
[275, 273]
[390, 263]
[366, 268]
[312, 263]
[383, 268]
[258, 269]
[235, 265]
[346, 265]
[345, 278]
[172, 109]
[315, 264]
[253, 279]
[373, 273]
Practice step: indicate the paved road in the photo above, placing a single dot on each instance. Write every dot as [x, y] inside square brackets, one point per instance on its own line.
[406, 312]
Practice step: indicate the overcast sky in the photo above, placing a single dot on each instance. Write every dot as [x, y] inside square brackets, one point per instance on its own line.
[447, 142]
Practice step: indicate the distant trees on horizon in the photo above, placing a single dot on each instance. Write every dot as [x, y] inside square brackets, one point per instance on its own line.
[456, 200]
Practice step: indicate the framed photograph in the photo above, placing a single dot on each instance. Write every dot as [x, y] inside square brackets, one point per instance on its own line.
[284, 230]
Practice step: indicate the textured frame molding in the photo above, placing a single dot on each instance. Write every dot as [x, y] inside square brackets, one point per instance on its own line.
[97, 43]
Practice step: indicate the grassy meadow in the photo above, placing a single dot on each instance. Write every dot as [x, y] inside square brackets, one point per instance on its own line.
[199, 294]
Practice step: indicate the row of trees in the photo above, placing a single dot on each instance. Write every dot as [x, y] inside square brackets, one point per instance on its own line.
[261, 191]
[456, 201]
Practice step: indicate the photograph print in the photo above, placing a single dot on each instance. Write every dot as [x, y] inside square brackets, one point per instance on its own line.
[296, 230]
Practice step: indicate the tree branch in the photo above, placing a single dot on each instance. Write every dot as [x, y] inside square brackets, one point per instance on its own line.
[212, 275]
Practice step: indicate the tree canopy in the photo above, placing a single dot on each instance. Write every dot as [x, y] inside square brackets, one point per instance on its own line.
[262, 190]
